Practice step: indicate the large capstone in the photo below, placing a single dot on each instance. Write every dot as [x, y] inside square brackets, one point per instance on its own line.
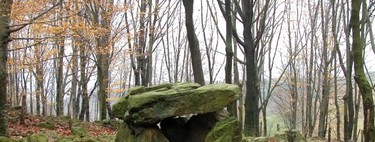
[153, 106]
[185, 112]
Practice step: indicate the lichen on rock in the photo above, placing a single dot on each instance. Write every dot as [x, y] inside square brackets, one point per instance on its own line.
[144, 107]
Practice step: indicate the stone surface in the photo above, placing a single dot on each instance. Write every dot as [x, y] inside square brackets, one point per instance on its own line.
[122, 104]
[226, 130]
[147, 134]
[181, 99]
[144, 107]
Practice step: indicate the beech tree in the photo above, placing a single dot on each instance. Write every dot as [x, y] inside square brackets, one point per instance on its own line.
[5, 31]
[360, 77]
[193, 42]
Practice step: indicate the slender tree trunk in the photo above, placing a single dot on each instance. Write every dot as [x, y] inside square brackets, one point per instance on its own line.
[338, 114]
[31, 95]
[73, 91]
[39, 78]
[83, 84]
[322, 128]
[357, 101]
[59, 80]
[23, 101]
[360, 77]
[193, 43]
[336, 46]
[228, 52]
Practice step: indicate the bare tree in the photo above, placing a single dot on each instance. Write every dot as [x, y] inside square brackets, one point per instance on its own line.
[360, 78]
[193, 42]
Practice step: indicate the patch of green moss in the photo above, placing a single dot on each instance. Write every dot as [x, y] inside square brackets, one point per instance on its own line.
[113, 124]
[68, 139]
[47, 125]
[137, 90]
[6, 139]
[35, 138]
[159, 87]
[79, 131]
[186, 86]
[227, 130]
[120, 107]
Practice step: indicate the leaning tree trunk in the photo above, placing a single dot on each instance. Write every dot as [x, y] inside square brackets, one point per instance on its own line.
[363, 84]
[193, 43]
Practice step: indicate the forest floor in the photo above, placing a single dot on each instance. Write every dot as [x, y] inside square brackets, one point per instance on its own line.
[61, 128]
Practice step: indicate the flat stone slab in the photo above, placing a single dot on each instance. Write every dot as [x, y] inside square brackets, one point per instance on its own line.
[150, 106]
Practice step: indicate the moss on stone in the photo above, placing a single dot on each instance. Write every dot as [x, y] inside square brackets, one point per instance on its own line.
[227, 130]
[160, 87]
[186, 86]
[124, 134]
[120, 107]
[137, 90]
[152, 107]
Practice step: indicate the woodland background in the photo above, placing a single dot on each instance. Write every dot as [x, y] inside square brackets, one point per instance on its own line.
[305, 65]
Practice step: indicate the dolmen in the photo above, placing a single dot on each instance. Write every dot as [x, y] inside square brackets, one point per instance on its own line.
[178, 112]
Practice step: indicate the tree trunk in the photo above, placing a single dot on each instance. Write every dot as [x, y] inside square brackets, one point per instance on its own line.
[232, 108]
[5, 10]
[193, 43]
[83, 84]
[39, 77]
[360, 77]
[103, 56]
[336, 46]
[322, 128]
[252, 93]
[23, 101]
[73, 91]
[59, 81]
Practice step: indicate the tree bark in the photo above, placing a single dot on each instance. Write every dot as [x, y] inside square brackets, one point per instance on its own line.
[83, 84]
[322, 128]
[232, 108]
[39, 77]
[252, 90]
[360, 78]
[59, 80]
[193, 43]
[5, 10]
